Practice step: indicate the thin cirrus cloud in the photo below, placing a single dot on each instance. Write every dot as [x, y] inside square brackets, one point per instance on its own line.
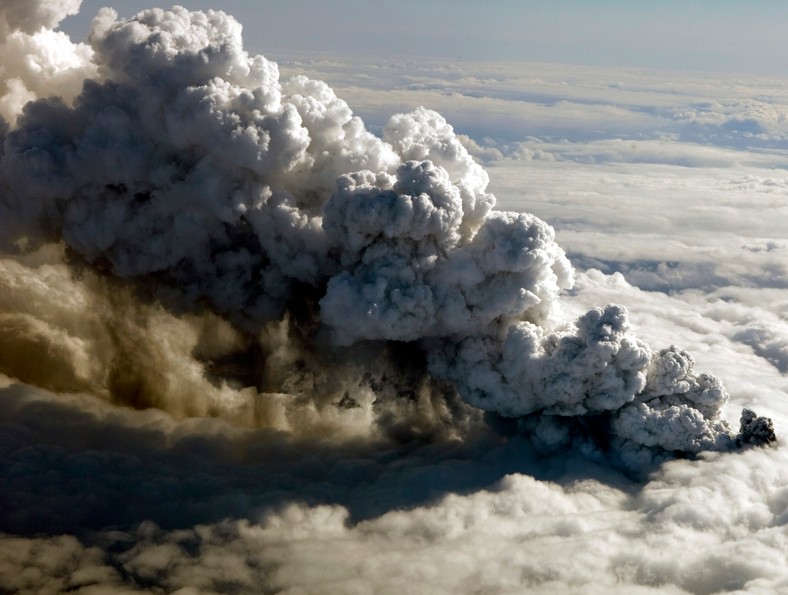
[185, 405]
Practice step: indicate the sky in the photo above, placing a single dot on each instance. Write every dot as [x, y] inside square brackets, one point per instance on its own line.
[432, 325]
[700, 35]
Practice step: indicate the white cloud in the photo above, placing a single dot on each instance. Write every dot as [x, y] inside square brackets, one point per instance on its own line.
[510, 101]
[36, 60]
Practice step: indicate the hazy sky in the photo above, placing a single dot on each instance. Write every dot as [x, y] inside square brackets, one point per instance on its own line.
[718, 35]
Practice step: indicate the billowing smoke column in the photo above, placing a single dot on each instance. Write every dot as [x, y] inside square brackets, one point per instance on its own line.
[187, 166]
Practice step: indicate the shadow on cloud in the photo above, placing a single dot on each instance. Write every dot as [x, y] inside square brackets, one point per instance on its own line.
[80, 466]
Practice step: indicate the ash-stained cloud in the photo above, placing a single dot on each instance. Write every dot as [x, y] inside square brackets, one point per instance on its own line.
[186, 166]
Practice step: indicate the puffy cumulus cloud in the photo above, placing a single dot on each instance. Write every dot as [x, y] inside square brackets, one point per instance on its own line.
[411, 280]
[677, 397]
[35, 60]
[425, 134]
[639, 400]
[485, 151]
[599, 367]
[31, 17]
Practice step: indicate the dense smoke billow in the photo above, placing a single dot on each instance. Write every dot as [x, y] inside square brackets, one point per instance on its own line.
[246, 345]
[241, 245]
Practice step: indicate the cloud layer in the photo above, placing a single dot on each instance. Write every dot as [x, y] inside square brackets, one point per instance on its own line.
[212, 508]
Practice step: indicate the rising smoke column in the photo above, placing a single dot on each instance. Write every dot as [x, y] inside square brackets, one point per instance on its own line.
[188, 168]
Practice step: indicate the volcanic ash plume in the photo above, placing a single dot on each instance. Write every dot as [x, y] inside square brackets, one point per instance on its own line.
[353, 269]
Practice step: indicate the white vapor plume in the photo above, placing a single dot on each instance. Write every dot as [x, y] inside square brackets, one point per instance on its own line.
[35, 60]
[185, 165]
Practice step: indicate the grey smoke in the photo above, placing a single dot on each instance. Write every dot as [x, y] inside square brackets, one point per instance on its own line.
[755, 430]
[186, 167]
